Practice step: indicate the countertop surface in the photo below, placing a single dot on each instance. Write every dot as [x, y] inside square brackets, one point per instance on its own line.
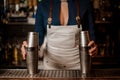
[96, 74]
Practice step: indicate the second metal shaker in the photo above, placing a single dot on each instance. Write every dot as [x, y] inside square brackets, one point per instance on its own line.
[85, 58]
[32, 53]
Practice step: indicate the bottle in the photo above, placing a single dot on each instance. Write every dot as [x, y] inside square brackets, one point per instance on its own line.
[15, 55]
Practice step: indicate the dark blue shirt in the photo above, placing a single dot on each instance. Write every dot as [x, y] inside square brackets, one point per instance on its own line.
[43, 14]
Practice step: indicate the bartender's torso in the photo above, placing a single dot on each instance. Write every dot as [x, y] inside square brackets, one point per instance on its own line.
[56, 56]
[43, 14]
[44, 7]
[62, 49]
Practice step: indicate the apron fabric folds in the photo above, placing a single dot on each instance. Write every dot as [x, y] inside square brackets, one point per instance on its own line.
[62, 48]
[61, 45]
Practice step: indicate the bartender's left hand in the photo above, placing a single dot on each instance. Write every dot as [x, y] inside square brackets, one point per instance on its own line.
[92, 49]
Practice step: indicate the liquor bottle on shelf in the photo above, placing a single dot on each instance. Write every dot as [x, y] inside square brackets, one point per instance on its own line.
[16, 54]
[8, 53]
[96, 6]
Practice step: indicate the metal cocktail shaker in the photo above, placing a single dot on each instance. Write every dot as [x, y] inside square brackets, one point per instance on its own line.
[32, 52]
[85, 58]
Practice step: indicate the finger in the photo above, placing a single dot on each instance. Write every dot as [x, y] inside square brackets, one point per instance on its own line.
[91, 43]
[93, 54]
[23, 51]
[25, 43]
[92, 46]
[93, 50]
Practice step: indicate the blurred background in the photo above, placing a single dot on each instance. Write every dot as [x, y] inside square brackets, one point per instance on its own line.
[17, 18]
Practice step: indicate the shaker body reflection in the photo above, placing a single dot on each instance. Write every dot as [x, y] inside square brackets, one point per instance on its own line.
[32, 52]
[85, 58]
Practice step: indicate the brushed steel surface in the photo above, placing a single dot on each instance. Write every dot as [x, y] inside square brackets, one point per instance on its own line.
[32, 52]
[23, 73]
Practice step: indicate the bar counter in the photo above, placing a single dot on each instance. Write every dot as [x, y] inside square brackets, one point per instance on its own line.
[96, 74]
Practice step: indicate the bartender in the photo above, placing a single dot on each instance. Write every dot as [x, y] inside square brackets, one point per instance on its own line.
[59, 23]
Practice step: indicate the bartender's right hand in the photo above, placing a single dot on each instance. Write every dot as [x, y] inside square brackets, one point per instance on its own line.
[23, 49]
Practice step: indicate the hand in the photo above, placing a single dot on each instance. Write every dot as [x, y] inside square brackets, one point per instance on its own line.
[23, 50]
[93, 48]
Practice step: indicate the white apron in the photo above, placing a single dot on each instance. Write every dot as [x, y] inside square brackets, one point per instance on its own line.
[62, 51]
